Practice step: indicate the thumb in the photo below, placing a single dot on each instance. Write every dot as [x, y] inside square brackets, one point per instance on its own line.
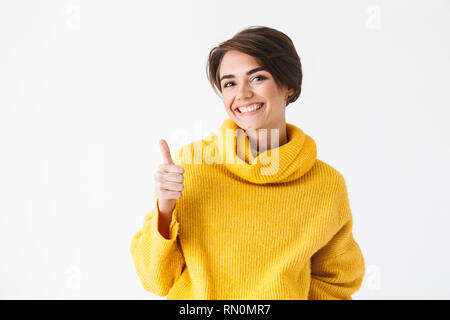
[165, 152]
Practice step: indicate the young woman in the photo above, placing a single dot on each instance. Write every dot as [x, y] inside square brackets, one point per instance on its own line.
[250, 213]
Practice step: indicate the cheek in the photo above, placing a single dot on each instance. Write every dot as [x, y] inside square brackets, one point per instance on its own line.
[227, 100]
[265, 90]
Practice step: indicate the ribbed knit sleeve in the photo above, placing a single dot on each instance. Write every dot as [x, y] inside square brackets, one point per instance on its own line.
[158, 261]
[337, 269]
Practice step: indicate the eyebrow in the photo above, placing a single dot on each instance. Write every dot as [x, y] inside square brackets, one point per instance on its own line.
[248, 73]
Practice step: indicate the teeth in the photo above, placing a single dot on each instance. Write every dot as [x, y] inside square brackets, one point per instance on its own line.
[250, 108]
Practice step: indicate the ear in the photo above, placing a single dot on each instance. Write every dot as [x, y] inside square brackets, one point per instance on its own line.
[290, 92]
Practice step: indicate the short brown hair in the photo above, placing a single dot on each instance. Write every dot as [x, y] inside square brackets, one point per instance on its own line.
[272, 48]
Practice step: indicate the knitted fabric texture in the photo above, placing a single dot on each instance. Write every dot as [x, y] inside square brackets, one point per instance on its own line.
[271, 225]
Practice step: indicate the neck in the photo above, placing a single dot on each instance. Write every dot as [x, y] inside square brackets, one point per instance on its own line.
[261, 139]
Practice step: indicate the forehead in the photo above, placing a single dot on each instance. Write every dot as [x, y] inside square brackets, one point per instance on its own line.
[236, 62]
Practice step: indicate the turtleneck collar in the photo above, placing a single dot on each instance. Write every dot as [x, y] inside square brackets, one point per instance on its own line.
[275, 165]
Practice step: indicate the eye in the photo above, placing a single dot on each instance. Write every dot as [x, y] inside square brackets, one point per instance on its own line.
[259, 76]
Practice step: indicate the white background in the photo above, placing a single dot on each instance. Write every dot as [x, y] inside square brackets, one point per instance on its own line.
[87, 89]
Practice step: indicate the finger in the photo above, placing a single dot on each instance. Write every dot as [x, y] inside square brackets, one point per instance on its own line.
[163, 167]
[170, 186]
[165, 152]
[172, 177]
[164, 194]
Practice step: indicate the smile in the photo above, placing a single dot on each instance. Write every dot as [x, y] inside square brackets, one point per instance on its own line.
[252, 112]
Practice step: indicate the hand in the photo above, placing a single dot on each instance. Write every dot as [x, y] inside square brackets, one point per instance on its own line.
[168, 180]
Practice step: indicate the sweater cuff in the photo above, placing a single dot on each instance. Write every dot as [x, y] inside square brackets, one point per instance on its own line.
[173, 226]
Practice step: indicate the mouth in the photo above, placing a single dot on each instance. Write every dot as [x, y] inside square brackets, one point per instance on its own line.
[251, 113]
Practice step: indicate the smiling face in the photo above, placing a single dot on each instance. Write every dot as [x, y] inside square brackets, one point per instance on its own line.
[243, 82]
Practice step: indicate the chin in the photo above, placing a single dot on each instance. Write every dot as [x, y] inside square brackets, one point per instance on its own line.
[251, 127]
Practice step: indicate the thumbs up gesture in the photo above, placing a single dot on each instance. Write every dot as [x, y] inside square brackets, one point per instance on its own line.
[168, 180]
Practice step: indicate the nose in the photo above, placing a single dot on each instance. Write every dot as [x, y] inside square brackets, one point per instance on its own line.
[244, 92]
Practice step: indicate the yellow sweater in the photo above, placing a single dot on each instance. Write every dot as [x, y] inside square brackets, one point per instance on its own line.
[277, 226]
